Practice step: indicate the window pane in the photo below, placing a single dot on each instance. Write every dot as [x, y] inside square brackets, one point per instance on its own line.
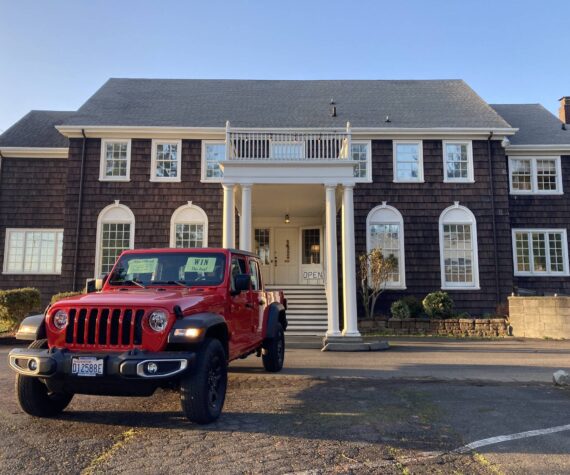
[457, 161]
[261, 237]
[407, 161]
[458, 254]
[523, 252]
[34, 252]
[215, 153]
[189, 235]
[539, 252]
[311, 246]
[254, 273]
[167, 160]
[116, 159]
[546, 175]
[360, 155]
[521, 175]
[386, 237]
[115, 238]
[556, 253]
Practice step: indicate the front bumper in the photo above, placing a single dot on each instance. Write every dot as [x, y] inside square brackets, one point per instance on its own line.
[129, 365]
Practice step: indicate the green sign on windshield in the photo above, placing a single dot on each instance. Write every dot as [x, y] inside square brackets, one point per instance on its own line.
[142, 266]
[200, 264]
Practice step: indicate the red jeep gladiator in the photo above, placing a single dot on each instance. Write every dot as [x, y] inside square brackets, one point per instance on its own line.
[164, 318]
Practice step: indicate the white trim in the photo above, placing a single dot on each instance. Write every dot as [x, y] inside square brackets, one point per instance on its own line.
[368, 177]
[534, 176]
[552, 148]
[532, 273]
[103, 157]
[174, 222]
[101, 220]
[473, 222]
[420, 145]
[470, 172]
[9, 231]
[120, 131]
[34, 152]
[204, 178]
[400, 222]
[153, 177]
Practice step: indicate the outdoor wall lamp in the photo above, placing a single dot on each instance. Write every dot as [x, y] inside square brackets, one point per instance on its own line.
[287, 219]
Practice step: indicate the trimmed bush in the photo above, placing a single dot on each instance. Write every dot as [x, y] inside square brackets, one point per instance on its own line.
[400, 309]
[17, 304]
[415, 306]
[438, 305]
[63, 295]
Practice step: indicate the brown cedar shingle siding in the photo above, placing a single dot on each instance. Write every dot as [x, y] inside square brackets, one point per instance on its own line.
[32, 195]
[152, 203]
[421, 205]
[543, 211]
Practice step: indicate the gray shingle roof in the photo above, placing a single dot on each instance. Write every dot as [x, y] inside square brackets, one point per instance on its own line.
[262, 103]
[36, 129]
[537, 126]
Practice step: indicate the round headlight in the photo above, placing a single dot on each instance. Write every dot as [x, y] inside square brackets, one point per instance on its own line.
[158, 320]
[60, 319]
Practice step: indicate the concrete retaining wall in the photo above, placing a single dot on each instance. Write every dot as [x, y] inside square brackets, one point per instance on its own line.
[482, 327]
[540, 317]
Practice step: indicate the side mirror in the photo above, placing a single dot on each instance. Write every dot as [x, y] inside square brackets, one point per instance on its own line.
[242, 283]
[95, 285]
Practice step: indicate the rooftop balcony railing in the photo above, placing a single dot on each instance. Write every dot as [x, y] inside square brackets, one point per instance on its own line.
[288, 144]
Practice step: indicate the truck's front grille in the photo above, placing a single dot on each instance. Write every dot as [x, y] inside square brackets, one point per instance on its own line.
[104, 327]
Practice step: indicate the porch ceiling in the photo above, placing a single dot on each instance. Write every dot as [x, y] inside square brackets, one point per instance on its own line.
[295, 200]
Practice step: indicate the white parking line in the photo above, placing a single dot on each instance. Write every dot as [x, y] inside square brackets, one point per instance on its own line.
[505, 438]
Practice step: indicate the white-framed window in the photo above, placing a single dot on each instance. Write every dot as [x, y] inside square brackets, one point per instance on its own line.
[165, 160]
[408, 161]
[361, 153]
[115, 160]
[33, 251]
[385, 231]
[458, 162]
[540, 252]
[458, 248]
[115, 234]
[213, 152]
[287, 150]
[535, 175]
[189, 227]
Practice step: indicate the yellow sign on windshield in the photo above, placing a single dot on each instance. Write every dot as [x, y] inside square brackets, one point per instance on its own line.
[142, 266]
[200, 264]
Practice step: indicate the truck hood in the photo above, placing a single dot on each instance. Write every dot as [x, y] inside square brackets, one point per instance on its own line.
[163, 298]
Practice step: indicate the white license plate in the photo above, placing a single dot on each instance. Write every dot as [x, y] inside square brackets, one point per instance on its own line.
[87, 366]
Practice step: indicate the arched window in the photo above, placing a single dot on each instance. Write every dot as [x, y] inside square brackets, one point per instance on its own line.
[458, 248]
[189, 227]
[385, 231]
[115, 233]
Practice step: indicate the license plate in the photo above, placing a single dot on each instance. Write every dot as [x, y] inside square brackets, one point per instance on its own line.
[87, 366]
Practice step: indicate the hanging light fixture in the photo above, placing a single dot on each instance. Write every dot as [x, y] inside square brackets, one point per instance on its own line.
[287, 219]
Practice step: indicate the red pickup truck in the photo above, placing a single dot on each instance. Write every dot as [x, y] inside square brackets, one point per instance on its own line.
[164, 318]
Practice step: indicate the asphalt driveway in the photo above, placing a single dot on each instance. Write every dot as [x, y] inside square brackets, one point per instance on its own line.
[402, 411]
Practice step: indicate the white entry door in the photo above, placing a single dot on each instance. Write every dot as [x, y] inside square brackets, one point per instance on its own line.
[262, 247]
[286, 256]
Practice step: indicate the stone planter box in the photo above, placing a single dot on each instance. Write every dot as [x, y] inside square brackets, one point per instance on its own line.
[461, 327]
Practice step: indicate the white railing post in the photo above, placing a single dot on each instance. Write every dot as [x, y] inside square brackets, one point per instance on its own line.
[228, 141]
[349, 141]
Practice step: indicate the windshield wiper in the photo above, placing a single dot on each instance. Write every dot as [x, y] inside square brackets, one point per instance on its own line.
[133, 282]
[178, 282]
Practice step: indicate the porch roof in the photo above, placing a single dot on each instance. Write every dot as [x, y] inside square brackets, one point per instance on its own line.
[279, 104]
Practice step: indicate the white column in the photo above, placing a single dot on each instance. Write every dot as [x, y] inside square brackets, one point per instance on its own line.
[331, 248]
[229, 232]
[245, 219]
[349, 263]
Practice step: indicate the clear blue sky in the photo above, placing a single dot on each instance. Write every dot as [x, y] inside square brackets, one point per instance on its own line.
[54, 54]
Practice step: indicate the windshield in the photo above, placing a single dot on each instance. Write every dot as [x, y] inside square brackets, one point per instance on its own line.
[164, 268]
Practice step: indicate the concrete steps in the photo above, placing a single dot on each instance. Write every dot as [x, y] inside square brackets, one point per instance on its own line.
[306, 308]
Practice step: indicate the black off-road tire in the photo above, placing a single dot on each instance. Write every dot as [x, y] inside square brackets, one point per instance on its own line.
[273, 353]
[35, 398]
[203, 390]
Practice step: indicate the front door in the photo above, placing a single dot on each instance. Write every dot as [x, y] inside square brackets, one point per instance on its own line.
[262, 241]
[286, 257]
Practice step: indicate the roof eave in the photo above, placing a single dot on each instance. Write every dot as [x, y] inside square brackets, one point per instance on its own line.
[34, 152]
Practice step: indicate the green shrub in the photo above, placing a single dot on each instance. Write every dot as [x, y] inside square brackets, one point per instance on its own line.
[438, 305]
[63, 295]
[415, 306]
[17, 304]
[400, 309]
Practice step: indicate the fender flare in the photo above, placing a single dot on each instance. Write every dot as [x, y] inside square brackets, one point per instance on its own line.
[32, 328]
[275, 310]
